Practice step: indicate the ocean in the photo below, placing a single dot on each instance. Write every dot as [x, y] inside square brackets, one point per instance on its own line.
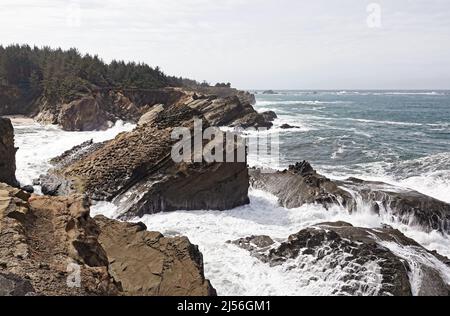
[400, 137]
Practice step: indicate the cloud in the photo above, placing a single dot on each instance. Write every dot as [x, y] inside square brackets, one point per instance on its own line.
[252, 43]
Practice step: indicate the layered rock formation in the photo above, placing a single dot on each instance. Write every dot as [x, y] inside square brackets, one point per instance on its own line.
[301, 184]
[97, 109]
[7, 153]
[356, 261]
[137, 169]
[51, 246]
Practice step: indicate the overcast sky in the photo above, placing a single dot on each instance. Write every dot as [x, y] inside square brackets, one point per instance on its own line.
[290, 44]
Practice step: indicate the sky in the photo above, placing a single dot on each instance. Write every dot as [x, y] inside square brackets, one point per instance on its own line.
[254, 44]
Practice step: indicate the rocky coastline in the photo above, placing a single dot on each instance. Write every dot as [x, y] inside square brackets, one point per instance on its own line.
[45, 238]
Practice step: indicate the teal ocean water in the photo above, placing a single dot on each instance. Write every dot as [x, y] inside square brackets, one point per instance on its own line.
[395, 136]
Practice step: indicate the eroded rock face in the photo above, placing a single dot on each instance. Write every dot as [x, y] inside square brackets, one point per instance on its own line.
[359, 261]
[42, 239]
[301, 184]
[85, 114]
[148, 264]
[48, 243]
[97, 109]
[7, 153]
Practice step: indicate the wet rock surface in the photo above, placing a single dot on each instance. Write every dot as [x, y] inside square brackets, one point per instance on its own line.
[301, 184]
[360, 261]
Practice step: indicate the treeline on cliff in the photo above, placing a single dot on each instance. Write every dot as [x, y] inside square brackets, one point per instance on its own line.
[27, 73]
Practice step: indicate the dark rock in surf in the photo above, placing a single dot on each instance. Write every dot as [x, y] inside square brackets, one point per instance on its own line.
[287, 126]
[363, 257]
[28, 189]
[408, 206]
[301, 184]
[269, 116]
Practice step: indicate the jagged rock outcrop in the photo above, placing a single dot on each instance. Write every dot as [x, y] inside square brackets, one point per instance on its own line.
[356, 261]
[301, 184]
[51, 246]
[229, 111]
[7, 153]
[148, 264]
[137, 169]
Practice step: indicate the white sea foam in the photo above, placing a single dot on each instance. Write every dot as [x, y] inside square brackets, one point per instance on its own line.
[38, 144]
[300, 102]
[233, 271]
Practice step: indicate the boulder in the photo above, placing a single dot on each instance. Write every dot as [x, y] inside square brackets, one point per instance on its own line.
[287, 126]
[356, 261]
[7, 153]
[270, 115]
[149, 264]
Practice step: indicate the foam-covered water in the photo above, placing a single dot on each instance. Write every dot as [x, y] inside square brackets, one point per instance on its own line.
[398, 137]
[38, 144]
